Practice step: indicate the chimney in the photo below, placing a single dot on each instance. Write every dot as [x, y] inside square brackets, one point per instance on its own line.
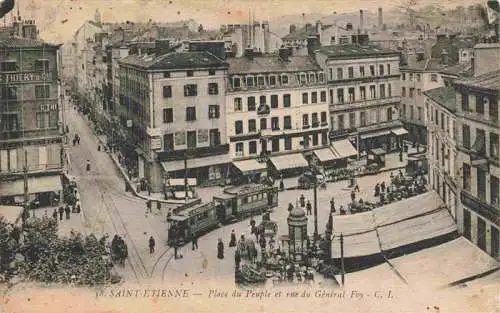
[444, 57]
[292, 28]
[249, 53]
[284, 53]
[380, 18]
[361, 20]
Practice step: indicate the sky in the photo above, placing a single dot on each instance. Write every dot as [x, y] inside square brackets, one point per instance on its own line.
[59, 19]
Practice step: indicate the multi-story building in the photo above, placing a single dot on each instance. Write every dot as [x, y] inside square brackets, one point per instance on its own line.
[363, 93]
[275, 105]
[31, 117]
[174, 106]
[440, 117]
[478, 158]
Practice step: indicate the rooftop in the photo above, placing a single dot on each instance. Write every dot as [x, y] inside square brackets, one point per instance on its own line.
[272, 63]
[301, 33]
[444, 96]
[489, 81]
[18, 42]
[462, 69]
[174, 60]
[356, 51]
[427, 64]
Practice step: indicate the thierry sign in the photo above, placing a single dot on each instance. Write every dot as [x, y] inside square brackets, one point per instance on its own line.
[24, 77]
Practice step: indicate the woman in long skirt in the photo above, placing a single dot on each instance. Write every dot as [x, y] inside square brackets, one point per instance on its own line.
[220, 249]
[232, 242]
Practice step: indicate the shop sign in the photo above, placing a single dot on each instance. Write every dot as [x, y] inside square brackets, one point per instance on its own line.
[155, 143]
[25, 77]
[46, 107]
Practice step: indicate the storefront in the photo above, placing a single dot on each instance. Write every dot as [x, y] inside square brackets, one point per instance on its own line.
[44, 189]
[288, 165]
[247, 171]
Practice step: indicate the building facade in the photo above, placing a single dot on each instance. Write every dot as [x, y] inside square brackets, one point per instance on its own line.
[173, 106]
[363, 95]
[440, 114]
[478, 159]
[31, 118]
[275, 104]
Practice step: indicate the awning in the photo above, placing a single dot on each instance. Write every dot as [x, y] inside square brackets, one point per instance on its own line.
[289, 161]
[251, 165]
[180, 182]
[478, 145]
[378, 151]
[399, 131]
[11, 214]
[35, 185]
[172, 166]
[375, 134]
[343, 149]
[325, 155]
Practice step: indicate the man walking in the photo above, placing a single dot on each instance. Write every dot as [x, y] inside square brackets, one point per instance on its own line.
[309, 208]
[148, 205]
[151, 245]
[61, 213]
[194, 241]
[68, 211]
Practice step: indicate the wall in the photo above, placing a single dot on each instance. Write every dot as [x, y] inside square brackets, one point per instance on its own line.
[486, 58]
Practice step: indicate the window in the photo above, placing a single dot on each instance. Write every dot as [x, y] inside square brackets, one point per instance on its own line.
[419, 114]
[434, 78]
[237, 104]
[340, 96]
[389, 114]
[340, 73]
[305, 98]
[250, 81]
[168, 142]
[42, 91]
[262, 100]
[288, 143]
[251, 103]
[352, 120]
[404, 110]
[382, 91]
[9, 66]
[373, 93]
[362, 118]
[213, 89]
[389, 90]
[315, 139]
[238, 127]
[189, 73]
[312, 78]
[287, 122]
[263, 123]
[9, 93]
[272, 80]
[481, 184]
[480, 137]
[214, 137]
[388, 69]
[286, 100]
[191, 114]
[284, 79]
[351, 72]
[466, 176]
[351, 95]
[411, 112]
[362, 71]
[377, 116]
[321, 77]
[412, 92]
[466, 136]
[275, 144]
[314, 120]
[372, 70]
[302, 78]
[236, 82]
[322, 96]
[494, 186]
[213, 111]
[442, 121]
[9, 122]
[260, 81]
[465, 102]
[314, 97]
[191, 139]
[330, 73]
[411, 77]
[167, 91]
[275, 123]
[480, 104]
[419, 91]
[211, 72]
[168, 115]
[381, 70]
[42, 65]
[305, 120]
[340, 120]
[323, 118]
[274, 101]
[239, 149]
[403, 76]
[362, 92]
[324, 138]
[252, 147]
[493, 109]
[495, 239]
[494, 149]
[190, 90]
[403, 92]
[42, 120]
[252, 126]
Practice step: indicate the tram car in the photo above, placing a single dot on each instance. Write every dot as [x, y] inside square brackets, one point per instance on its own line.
[237, 203]
[191, 221]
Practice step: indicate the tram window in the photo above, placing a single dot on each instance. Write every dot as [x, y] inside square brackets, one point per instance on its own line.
[244, 200]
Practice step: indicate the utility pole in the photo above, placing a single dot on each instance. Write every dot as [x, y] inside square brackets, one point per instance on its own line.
[25, 177]
[342, 258]
[315, 209]
[186, 176]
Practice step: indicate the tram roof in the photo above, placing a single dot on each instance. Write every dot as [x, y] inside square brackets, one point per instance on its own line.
[246, 189]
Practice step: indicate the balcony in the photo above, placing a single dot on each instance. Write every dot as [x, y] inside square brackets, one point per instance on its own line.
[480, 118]
[364, 104]
[363, 80]
[199, 152]
[484, 209]
[263, 109]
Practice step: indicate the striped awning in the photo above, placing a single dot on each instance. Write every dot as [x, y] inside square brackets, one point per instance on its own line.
[324, 155]
[249, 166]
[289, 161]
[343, 149]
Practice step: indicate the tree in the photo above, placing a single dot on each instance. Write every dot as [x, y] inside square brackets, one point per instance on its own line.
[8, 246]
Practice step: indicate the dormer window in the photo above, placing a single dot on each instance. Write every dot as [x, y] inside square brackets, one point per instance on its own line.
[250, 81]
[312, 78]
[260, 81]
[303, 78]
[272, 80]
[284, 79]
[236, 82]
[321, 77]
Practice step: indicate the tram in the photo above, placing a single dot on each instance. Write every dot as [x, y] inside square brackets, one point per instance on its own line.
[192, 221]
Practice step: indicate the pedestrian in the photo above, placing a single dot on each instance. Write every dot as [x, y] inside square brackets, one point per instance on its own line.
[151, 245]
[332, 205]
[282, 185]
[194, 241]
[88, 165]
[262, 242]
[220, 250]
[148, 186]
[382, 186]
[77, 139]
[68, 211]
[67, 129]
[342, 210]
[74, 142]
[353, 195]
[54, 214]
[237, 259]
[309, 208]
[158, 206]
[232, 242]
[302, 200]
[356, 188]
[61, 212]
[290, 207]
[148, 206]
[175, 251]
[377, 190]
[78, 207]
